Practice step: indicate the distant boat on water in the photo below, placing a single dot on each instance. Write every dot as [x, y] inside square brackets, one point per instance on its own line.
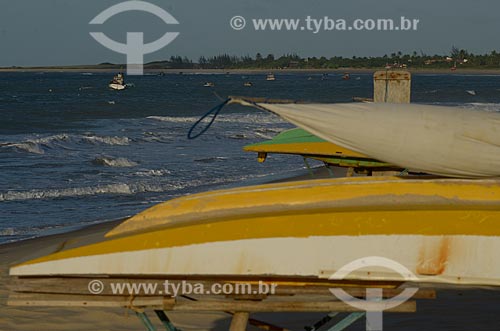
[270, 77]
[209, 84]
[248, 84]
[471, 92]
[118, 82]
[346, 76]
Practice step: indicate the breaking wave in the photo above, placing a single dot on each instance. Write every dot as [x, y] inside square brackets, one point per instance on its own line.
[152, 173]
[129, 188]
[119, 141]
[29, 147]
[119, 162]
[260, 118]
[8, 232]
[493, 107]
[36, 146]
[121, 188]
[68, 192]
[40, 145]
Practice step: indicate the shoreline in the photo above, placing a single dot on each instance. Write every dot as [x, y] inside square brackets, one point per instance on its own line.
[250, 71]
[106, 225]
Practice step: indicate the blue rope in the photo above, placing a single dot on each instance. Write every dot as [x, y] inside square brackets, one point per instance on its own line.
[215, 111]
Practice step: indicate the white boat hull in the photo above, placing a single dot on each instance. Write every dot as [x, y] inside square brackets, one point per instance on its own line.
[445, 141]
[464, 260]
[117, 87]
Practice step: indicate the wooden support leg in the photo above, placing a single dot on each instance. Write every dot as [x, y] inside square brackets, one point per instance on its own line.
[347, 321]
[239, 321]
[146, 321]
[330, 172]
[165, 321]
[322, 322]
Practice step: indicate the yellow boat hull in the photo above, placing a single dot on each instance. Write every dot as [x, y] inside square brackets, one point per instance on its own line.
[442, 230]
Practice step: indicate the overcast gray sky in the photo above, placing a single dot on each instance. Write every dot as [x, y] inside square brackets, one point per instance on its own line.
[56, 32]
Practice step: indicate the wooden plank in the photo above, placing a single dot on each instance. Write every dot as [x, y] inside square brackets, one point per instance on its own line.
[79, 286]
[61, 300]
[293, 306]
[169, 304]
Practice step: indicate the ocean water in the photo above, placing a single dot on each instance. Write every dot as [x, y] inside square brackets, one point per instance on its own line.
[73, 152]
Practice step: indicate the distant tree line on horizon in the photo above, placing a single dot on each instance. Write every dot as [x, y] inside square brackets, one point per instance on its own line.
[458, 58]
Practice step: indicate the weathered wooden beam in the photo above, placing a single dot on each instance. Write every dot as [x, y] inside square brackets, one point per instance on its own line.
[285, 306]
[170, 304]
[79, 286]
[62, 300]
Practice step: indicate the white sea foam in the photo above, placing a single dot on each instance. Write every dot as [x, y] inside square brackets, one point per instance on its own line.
[67, 192]
[152, 173]
[483, 106]
[36, 145]
[120, 162]
[261, 118]
[119, 188]
[124, 188]
[263, 136]
[8, 232]
[39, 145]
[29, 147]
[120, 141]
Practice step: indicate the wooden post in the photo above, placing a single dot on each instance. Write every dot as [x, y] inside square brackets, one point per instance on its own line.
[392, 86]
[239, 322]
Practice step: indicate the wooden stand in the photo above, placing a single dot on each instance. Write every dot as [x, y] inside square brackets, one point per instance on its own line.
[290, 296]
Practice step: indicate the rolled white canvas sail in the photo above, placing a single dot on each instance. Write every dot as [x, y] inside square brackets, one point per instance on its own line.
[446, 141]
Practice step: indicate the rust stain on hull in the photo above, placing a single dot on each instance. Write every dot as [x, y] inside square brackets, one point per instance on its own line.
[433, 257]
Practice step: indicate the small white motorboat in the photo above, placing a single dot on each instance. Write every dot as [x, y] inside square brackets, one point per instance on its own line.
[209, 84]
[118, 83]
[270, 77]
